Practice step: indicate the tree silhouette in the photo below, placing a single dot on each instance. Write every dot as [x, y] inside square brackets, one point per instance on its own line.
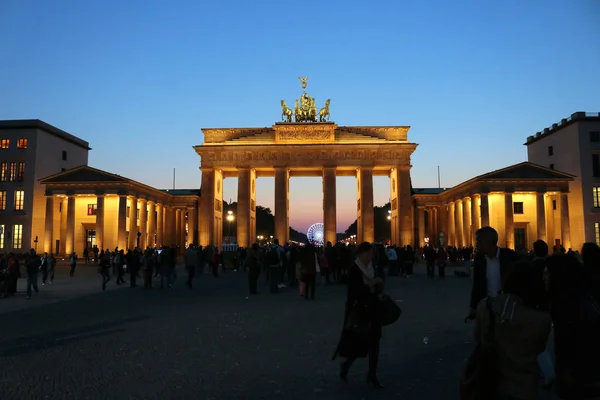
[265, 223]
[383, 230]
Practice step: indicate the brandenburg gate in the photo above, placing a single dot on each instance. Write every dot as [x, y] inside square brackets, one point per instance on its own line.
[310, 145]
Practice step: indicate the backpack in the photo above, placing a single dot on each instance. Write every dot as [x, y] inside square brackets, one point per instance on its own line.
[273, 256]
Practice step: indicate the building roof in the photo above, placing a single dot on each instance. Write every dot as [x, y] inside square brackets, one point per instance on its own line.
[523, 171]
[43, 126]
[182, 192]
[575, 117]
[83, 173]
[428, 190]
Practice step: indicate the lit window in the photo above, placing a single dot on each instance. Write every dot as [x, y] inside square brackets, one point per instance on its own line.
[21, 172]
[4, 143]
[3, 171]
[597, 230]
[596, 192]
[19, 200]
[22, 143]
[17, 236]
[518, 208]
[2, 200]
[91, 209]
[1, 236]
[13, 172]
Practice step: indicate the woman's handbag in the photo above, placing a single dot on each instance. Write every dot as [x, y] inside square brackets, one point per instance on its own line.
[358, 322]
[478, 380]
[388, 310]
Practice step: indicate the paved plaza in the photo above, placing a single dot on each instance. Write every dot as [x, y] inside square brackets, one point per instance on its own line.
[216, 343]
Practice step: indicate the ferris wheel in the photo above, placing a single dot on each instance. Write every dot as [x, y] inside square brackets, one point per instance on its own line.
[316, 233]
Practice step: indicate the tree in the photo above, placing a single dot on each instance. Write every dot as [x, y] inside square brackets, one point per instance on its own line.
[265, 223]
[383, 229]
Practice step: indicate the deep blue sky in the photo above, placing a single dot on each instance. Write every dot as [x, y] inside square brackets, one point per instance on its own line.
[138, 79]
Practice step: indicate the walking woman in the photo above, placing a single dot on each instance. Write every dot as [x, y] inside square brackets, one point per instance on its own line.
[362, 301]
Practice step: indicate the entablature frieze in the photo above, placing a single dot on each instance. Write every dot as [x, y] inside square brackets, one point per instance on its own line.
[293, 156]
[486, 188]
[108, 190]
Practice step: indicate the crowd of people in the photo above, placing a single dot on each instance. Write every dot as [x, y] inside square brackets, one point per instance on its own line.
[539, 308]
[538, 312]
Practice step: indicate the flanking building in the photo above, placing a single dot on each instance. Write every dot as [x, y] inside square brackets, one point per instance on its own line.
[29, 151]
[573, 146]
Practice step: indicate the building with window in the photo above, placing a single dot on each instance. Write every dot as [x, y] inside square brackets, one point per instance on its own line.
[31, 150]
[573, 146]
[523, 202]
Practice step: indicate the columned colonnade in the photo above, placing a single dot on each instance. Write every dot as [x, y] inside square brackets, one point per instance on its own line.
[116, 217]
[211, 209]
[516, 214]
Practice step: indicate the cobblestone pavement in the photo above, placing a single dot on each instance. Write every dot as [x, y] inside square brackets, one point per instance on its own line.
[215, 342]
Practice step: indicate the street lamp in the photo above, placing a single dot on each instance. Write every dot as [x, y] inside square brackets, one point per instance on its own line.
[230, 219]
[389, 216]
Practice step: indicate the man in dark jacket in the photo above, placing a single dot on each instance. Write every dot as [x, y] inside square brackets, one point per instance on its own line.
[33, 265]
[490, 267]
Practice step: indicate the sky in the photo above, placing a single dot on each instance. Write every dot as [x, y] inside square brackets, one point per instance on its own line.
[138, 79]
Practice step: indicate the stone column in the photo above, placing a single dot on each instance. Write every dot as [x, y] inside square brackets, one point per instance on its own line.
[329, 205]
[211, 208]
[178, 228]
[421, 227]
[100, 221]
[151, 224]
[509, 226]
[160, 225]
[436, 226]
[451, 237]
[49, 224]
[191, 221]
[168, 223]
[565, 226]
[550, 228]
[366, 231]
[281, 205]
[405, 207]
[474, 219]
[443, 216]
[246, 207]
[457, 223]
[122, 223]
[485, 210]
[143, 223]
[466, 212]
[183, 231]
[133, 229]
[70, 236]
[541, 217]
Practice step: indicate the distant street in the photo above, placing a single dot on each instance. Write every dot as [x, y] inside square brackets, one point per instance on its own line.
[74, 341]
